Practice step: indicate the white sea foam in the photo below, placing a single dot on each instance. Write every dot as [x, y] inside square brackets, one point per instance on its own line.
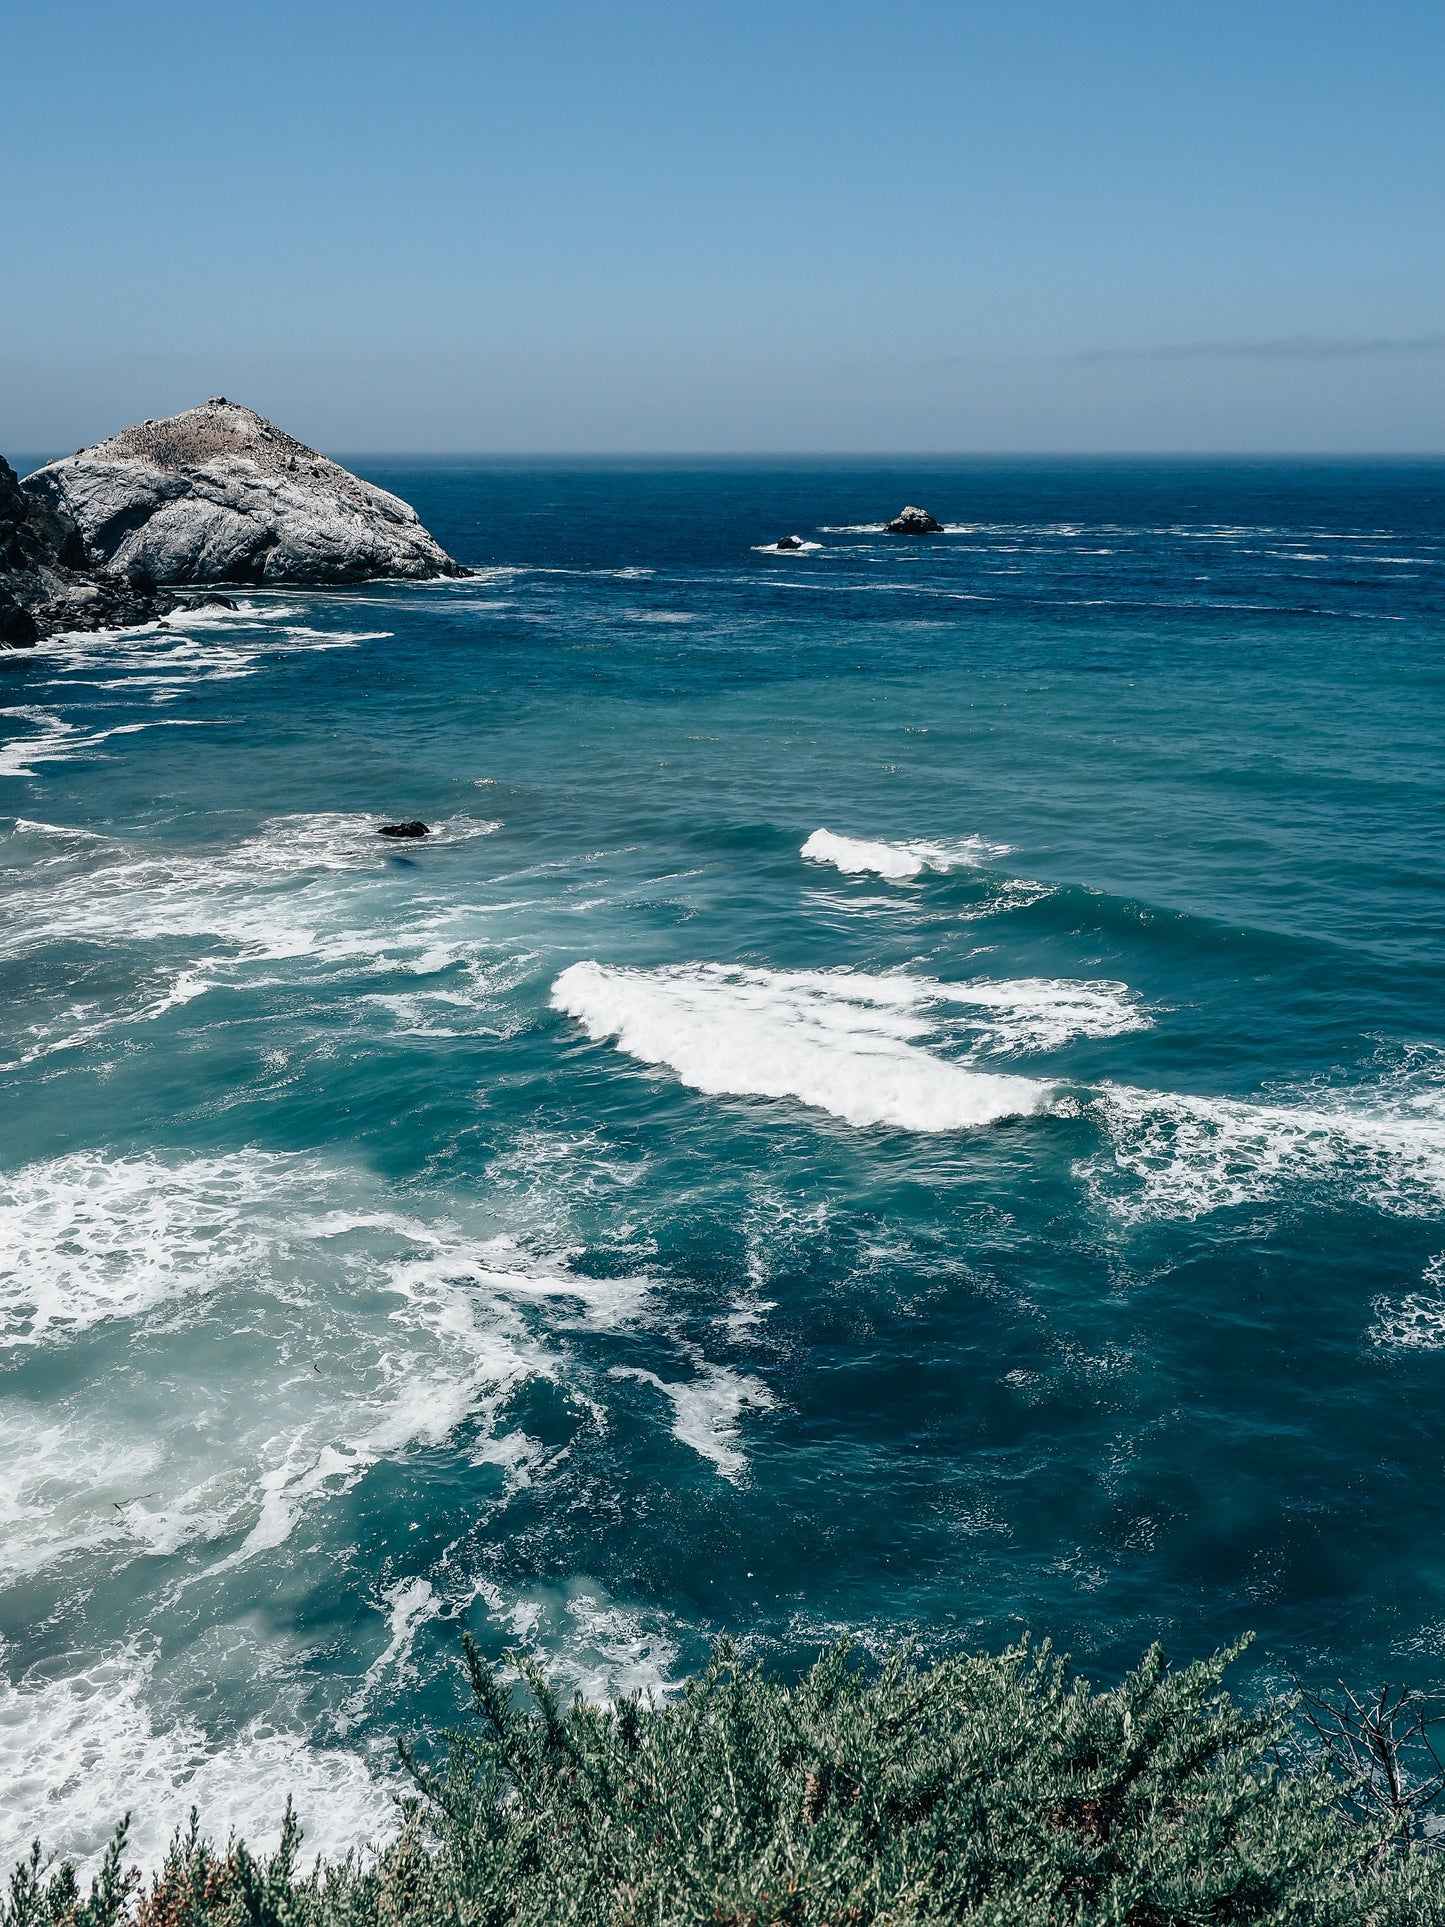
[898, 862]
[190, 647]
[57, 741]
[246, 614]
[286, 1335]
[410, 1603]
[1044, 1013]
[79, 1024]
[840, 1041]
[591, 1643]
[79, 1749]
[301, 886]
[85, 1238]
[707, 1411]
[1187, 1156]
[1416, 1321]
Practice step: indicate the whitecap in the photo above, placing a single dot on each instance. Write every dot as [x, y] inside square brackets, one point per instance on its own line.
[855, 857]
[899, 862]
[840, 1041]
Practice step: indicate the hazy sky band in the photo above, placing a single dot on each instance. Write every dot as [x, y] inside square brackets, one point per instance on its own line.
[1293, 348]
[731, 227]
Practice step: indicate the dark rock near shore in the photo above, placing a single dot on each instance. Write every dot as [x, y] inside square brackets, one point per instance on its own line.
[414, 828]
[914, 522]
[209, 602]
[789, 542]
[219, 494]
[46, 586]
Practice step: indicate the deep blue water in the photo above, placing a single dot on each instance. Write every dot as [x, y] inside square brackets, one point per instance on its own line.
[602, 1226]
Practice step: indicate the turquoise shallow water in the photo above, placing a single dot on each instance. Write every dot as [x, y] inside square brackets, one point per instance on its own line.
[602, 1224]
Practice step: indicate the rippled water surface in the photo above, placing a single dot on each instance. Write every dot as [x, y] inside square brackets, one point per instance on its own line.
[906, 1091]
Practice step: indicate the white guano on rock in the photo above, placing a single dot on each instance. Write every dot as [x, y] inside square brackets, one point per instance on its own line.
[219, 494]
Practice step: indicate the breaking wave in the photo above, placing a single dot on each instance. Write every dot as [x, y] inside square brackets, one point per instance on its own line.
[897, 862]
[839, 1041]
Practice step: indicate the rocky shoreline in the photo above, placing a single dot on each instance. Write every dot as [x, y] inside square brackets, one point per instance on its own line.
[46, 583]
[216, 494]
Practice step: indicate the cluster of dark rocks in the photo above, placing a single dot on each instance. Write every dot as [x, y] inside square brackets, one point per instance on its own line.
[912, 521]
[47, 583]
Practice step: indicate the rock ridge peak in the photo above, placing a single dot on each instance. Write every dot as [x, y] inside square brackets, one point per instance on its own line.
[218, 493]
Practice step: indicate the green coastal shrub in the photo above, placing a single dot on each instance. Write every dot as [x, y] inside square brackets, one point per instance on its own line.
[995, 1791]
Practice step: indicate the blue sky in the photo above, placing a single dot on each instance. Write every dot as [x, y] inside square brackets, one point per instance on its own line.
[623, 226]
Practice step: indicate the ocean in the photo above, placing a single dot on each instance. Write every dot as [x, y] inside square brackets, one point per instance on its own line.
[904, 1095]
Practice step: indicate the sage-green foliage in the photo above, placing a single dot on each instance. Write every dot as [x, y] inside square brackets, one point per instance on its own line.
[995, 1790]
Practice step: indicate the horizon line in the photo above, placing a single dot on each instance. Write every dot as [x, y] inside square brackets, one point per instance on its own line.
[712, 455]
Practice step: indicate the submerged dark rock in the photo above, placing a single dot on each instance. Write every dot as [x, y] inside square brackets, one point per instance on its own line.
[45, 584]
[219, 494]
[210, 602]
[789, 542]
[414, 828]
[914, 522]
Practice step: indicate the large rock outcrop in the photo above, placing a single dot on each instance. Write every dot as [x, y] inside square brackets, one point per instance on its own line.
[219, 494]
[45, 584]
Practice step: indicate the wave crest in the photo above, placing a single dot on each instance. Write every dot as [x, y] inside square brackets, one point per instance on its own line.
[841, 1042]
[898, 862]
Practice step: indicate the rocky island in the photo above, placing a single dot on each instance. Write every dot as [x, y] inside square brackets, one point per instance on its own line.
[220, 494]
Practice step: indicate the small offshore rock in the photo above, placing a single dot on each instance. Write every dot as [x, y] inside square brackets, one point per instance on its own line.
[414, 828]
[210, 602]
[915, 522]
[219, 494]
[789, 542]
